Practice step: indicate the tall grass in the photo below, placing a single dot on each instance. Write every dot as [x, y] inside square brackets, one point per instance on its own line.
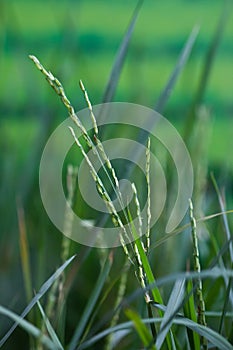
[130, 302]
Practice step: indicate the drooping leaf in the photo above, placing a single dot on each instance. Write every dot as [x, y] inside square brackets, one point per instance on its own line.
[37, 297]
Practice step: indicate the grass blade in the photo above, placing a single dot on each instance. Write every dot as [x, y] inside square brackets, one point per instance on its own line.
[126, 326]
[190, 313]
[184, 227]
[50, 329]
[141, 328]
[91, 326]
[25, 259]
[24, 251]
[27, 326]
[207, 67]
[185, 53]
[224, 216]
[228, 282]
[175, 300]
[142, 135]
[205, 332]
[37, 297]
[226, 302]
[213, 337]
[91, 303]
[120, 57]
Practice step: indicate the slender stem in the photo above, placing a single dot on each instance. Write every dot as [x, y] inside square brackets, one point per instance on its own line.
[197, 267]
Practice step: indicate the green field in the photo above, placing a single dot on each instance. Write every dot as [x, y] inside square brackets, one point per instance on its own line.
[81, 40]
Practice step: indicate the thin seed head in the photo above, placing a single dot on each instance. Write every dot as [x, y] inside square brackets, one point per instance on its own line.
[89, 106]
[197, 267]
[148, 195]
[57, 86]
[137, 208]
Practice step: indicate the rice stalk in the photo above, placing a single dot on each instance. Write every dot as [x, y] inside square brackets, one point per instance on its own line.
[105, 196]
[102, 155]
[197, 267]
[71, 177]
[137, 249]
[89, 107]
[57, 86]
[147, 234]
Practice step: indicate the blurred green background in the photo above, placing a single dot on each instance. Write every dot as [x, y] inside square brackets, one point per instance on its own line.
[79, 40]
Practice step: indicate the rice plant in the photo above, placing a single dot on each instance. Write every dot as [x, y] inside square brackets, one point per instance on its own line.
[130, 303]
